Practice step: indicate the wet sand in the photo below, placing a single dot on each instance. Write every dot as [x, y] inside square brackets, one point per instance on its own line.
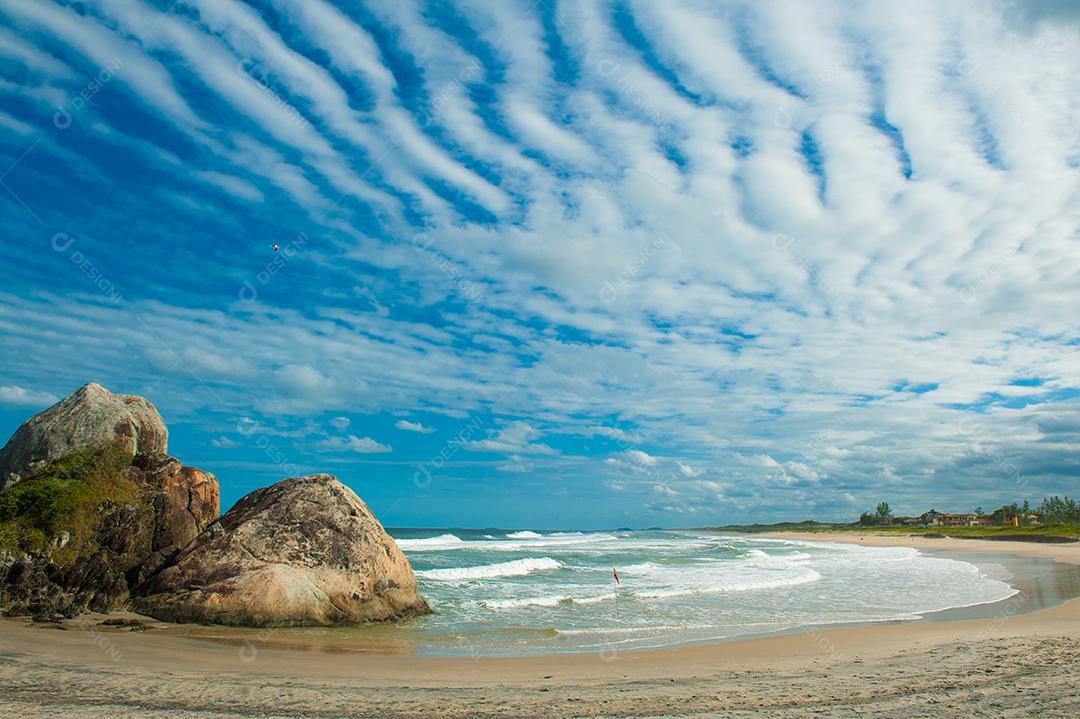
[1002, 663]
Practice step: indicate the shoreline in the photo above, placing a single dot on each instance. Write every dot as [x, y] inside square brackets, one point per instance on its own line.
[1065, 552]
[92, 671]
[1027, 579]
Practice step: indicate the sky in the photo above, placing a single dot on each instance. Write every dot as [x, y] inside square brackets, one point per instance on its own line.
[558, 264]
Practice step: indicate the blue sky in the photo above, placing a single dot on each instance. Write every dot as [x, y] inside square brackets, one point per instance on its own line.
[557, 264]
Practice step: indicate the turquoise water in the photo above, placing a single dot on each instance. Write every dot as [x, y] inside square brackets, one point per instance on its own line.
[498, 592]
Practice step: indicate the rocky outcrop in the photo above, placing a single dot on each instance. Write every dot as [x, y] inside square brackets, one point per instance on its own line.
[185, 499]
[91, 577]
[91, 416]
[303, 552]
[100, 518]
[99, 507]
[128, 541]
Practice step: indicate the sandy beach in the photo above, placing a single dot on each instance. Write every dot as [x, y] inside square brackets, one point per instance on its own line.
[1007, 664]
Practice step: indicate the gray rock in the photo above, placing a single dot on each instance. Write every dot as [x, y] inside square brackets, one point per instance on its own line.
[89, 417]
[303, 552]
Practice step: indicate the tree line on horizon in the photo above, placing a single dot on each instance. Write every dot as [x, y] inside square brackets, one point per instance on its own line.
[1051, 510]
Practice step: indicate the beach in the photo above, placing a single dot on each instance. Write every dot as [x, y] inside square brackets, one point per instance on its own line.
[1002, 663]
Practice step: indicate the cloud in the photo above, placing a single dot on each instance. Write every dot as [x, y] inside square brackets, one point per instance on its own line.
[302, 380]
[515, 438]
[641, 458]
[686, 470]
[15, 396]
[360, 445]
[233, 185]
[611, 433]
[303, 389]
[340, 423]
[752, 235]
[223, 442]
[406, 425]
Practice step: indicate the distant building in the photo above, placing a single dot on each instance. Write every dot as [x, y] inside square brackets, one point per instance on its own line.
[949, 520]
[934, 518]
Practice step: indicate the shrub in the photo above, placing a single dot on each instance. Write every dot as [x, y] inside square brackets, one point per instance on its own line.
[70, 494]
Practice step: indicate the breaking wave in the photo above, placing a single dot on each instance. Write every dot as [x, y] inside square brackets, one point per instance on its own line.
[516, 568]
[443, 541]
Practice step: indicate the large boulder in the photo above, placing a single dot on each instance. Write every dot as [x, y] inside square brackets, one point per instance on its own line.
[185, 499]
[303, 552]
[90, 417]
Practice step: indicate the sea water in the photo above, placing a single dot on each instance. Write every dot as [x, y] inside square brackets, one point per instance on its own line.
[498, 592]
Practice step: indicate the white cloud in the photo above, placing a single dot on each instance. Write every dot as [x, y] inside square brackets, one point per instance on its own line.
[611, 433]
[340, 423]
[360, 445]
[406, 425]
[233, 185]
[515, 438]
[800, 470]
[223, 442]
[639, 457]
[303, 389]
[15, 396]
[299, 380]
[686, 470]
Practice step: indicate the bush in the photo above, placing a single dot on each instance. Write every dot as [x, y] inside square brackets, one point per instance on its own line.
[67, 495]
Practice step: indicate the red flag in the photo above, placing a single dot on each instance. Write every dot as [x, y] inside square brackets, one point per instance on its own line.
[616, 576]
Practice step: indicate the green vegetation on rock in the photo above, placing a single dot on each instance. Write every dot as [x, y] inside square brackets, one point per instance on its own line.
[69, 495]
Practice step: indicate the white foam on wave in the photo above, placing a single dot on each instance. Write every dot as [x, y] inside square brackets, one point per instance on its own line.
[443, 541]
[559, 539]
[761, 560]
[732, 584]
[549, 600]
[528, 540]
[516, 540]
[552, 600]
[757, 570]
[516, 568]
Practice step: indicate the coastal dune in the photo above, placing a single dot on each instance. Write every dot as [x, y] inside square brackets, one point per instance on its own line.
[1005, 664]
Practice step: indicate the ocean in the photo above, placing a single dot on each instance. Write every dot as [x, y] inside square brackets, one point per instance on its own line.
[523, 592]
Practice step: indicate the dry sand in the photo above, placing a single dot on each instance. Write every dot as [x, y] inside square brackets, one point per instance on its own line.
[1004, 665]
